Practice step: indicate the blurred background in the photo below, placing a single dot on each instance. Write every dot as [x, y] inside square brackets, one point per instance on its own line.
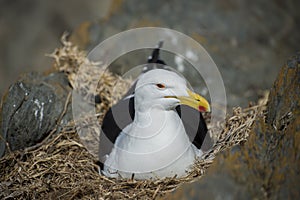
[249, 41]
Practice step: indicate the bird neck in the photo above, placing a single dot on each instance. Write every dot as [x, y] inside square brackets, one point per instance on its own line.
[145, 117]
[154, 121]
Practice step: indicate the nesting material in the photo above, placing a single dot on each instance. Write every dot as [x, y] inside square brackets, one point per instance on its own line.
[83, 74]
[91, 80]
[62, 167]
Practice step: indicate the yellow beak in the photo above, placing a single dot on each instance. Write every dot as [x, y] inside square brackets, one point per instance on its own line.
[195, 101]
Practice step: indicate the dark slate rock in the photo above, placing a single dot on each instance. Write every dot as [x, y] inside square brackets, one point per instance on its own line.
[31, 108]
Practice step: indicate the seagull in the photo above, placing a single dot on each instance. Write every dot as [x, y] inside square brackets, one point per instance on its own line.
[156, 130]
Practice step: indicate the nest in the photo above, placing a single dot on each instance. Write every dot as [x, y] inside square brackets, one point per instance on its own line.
[61, 166]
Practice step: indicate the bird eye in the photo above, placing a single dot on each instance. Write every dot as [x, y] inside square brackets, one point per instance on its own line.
[160, 85]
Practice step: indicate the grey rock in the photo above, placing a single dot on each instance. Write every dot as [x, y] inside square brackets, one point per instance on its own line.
[31, 108]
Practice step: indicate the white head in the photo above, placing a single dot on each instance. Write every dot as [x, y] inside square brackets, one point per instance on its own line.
[165, 89]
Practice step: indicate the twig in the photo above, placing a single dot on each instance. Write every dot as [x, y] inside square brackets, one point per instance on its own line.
[156, 192]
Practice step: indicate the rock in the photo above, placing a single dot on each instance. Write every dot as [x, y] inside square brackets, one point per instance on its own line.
[31, 108]
[267, 165]
[284, 96]
[243, 39]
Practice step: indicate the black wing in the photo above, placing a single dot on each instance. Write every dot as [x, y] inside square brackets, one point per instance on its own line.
[114, 121]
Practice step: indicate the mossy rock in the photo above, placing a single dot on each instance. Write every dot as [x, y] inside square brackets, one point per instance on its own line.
[267, 165]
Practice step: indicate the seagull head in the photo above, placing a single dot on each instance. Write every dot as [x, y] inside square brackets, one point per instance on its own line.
[166, 90]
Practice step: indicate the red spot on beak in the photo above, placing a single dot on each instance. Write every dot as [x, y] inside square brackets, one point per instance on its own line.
[201, 109]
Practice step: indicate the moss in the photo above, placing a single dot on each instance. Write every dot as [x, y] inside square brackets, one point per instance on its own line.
[80, 36]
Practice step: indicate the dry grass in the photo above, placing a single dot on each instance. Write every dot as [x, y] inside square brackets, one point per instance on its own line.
[62, 168]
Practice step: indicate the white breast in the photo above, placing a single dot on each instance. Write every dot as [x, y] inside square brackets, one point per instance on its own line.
[159, 149]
